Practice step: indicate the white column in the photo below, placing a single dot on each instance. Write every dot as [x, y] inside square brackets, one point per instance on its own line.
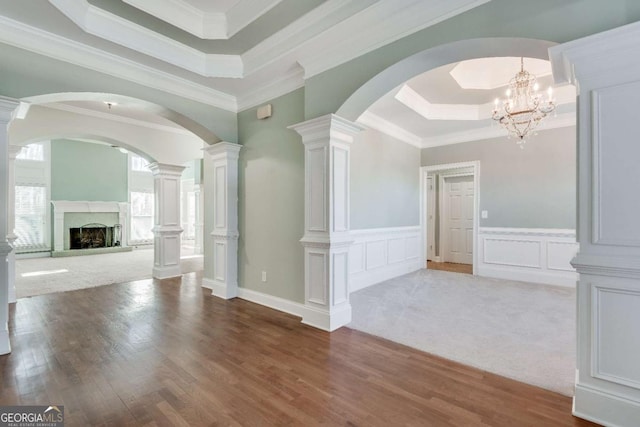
[14, 150]
[7, 108]
[606, 69]
[199, 225]
[166, 230]
[327, 141]
[222, 159]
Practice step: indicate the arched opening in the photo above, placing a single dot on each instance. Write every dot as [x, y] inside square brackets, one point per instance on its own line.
[119, 165]
[513, 242]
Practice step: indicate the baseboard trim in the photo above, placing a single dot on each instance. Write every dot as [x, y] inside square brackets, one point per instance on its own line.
[276, 303]
[565, 279]
[364, 279]
[220, 289]
[327, 321]
[605, 408]
[166, 272]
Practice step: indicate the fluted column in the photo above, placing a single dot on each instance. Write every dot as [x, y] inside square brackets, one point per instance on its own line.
[222, 188]
[166, 230]
[7, 108]
[14, 150]
[327, 141]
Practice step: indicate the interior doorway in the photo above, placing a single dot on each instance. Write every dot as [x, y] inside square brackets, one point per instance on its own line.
[449, 218]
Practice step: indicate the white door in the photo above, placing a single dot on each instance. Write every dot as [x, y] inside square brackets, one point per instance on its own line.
[459, 219]
[431, 210]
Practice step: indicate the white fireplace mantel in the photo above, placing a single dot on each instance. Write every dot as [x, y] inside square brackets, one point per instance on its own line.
[60, 207]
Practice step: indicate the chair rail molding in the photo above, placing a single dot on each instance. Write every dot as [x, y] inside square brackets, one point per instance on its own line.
[605, 68]
[380, 254]
[538, 255]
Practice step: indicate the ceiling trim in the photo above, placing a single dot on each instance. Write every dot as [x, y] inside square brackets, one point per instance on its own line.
[562, 120]
[204, 25]
[401, 18]
[269, 90]
[115, 29]
[376, 122]
[119, 119]
[51, 45]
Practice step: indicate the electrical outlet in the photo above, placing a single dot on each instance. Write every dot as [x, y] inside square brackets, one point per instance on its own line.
[264, 276]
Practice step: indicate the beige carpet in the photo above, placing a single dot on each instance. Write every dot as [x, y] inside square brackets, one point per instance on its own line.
[518, 330]
[37, 276]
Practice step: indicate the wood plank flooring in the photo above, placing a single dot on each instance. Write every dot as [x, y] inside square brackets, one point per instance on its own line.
[156, 353]
[450, 266]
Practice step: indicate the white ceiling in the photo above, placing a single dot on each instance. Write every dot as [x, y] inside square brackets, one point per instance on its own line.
[434, 109]
[232, 54]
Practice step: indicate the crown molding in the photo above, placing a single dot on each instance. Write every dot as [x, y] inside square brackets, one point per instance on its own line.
[117, 118]
[401, 18]
[103, 24]
[495, 131]
[268, 90]
[376, 122]
[204, 25]
[51, 45]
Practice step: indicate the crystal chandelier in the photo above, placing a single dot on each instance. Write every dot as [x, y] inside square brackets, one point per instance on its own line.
[524, 106]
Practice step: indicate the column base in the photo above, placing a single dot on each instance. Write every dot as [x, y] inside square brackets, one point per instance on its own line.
[166, 272]
[11, 260]
[5, 345]
[220, 289]
[605, 408]
[327, 320]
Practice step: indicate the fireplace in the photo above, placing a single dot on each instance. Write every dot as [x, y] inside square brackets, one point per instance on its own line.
[91, 236]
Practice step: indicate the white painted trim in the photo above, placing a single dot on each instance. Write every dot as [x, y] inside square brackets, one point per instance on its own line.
[604, 408]
[540, 265]
[276, 303]
[272, 89]
[381, 254]
[42, 42]
[219, 289]
[424, 171]
[376, 122]
[118, 118]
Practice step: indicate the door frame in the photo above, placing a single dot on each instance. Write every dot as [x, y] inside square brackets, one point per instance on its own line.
[431, 226]
[443, 213]
[424, 199]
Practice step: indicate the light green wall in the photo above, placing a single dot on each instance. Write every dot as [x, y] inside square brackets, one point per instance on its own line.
[26, 74]
[552, 20]
[271, 199]
[385, 182]
[534, 187]
[86, 171]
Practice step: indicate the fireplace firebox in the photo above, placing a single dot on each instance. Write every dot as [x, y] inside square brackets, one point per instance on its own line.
[94, 235]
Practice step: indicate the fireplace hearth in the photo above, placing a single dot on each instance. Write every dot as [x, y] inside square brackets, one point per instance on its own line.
[91, 236]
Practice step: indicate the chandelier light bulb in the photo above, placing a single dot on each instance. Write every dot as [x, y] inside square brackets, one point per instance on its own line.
[536, 87]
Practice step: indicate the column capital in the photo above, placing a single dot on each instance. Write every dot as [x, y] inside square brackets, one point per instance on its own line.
[327, 128]
[165, 169]
[223, 149]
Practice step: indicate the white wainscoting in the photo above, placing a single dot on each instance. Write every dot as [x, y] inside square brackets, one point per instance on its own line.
[537, 255]
[381, 254]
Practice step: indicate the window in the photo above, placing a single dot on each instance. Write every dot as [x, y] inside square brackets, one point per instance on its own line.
[31, 217]
[32, 152]
[138, 164]
[141, 216]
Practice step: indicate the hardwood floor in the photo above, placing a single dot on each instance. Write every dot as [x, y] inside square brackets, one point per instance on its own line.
[167, 353]
[450, 266]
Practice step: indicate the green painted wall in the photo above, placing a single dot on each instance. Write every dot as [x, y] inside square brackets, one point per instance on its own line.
[533, 187]
[552, 20]
[271, 199]
[86, 171]
[385, 182]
